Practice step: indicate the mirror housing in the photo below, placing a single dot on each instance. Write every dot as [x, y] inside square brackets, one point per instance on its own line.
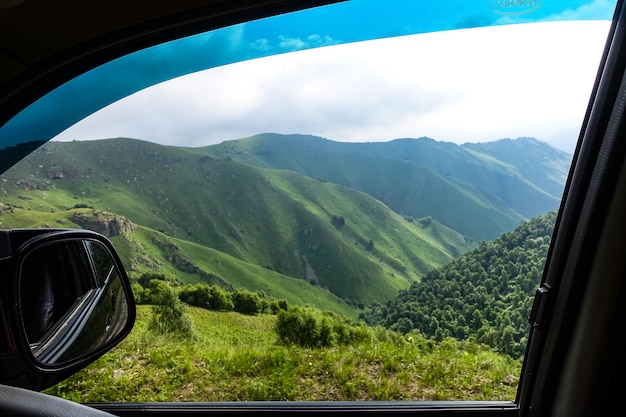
[65, 300]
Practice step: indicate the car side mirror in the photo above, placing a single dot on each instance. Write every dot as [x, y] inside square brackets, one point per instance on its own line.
[65, 301]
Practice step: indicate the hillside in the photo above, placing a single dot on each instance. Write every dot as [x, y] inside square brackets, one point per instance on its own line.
[337, 225]
[542, 165]
[480, 190]
[192, 214]
[485, 294]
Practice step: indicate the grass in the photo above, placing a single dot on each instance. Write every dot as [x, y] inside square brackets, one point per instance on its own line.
[236, 358]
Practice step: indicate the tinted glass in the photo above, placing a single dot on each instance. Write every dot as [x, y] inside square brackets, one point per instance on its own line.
[66, 312]
[353, 202]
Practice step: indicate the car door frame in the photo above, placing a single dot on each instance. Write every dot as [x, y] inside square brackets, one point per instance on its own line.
[571, 366]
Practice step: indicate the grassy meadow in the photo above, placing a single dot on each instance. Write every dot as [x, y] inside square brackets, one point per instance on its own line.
[236, 357]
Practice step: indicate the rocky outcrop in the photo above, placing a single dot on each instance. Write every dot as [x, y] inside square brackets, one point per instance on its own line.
[6, 208]
[105, 223]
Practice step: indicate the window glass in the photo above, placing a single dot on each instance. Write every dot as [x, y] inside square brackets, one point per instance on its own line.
[102, 262]
[53, 280]
[352, 202]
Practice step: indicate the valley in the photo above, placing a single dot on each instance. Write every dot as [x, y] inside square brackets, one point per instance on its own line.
[304, 218]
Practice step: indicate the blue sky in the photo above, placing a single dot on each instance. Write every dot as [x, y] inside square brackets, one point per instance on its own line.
[347, 22]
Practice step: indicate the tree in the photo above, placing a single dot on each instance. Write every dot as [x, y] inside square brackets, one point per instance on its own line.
[404, 325]
[338, 221]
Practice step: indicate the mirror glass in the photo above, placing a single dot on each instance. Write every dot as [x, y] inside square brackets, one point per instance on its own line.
[71, 300]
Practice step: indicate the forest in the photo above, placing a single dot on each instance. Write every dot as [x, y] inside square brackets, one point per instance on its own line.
[485, 295]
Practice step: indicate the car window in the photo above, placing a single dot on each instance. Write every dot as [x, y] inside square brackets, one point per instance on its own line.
[351, 202]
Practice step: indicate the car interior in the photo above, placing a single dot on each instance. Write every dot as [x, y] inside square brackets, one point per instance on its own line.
[574, 363]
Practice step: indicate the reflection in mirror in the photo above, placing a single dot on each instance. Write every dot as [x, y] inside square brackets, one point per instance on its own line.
[71, 300]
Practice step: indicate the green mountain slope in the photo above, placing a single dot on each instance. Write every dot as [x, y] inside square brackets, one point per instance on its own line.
[467, 188]
[485, 294]
[286, 223]
[145, 250]
[544, 166]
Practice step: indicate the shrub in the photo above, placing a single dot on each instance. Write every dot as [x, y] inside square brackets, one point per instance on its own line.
[275, 306]
[168, 312]
[247, 302]
[139, 293]
[309, 327]
[146, 278]
[207, 297]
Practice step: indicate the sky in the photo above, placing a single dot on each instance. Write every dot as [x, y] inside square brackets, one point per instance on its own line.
[491, 83]
[311, 73]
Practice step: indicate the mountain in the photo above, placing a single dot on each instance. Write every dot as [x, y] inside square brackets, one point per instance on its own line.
[480, 190]
[542, 165]
[337, 225]
[191, 214]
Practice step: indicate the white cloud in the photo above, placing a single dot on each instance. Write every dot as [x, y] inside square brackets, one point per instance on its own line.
[463, 86]
[597, 9]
